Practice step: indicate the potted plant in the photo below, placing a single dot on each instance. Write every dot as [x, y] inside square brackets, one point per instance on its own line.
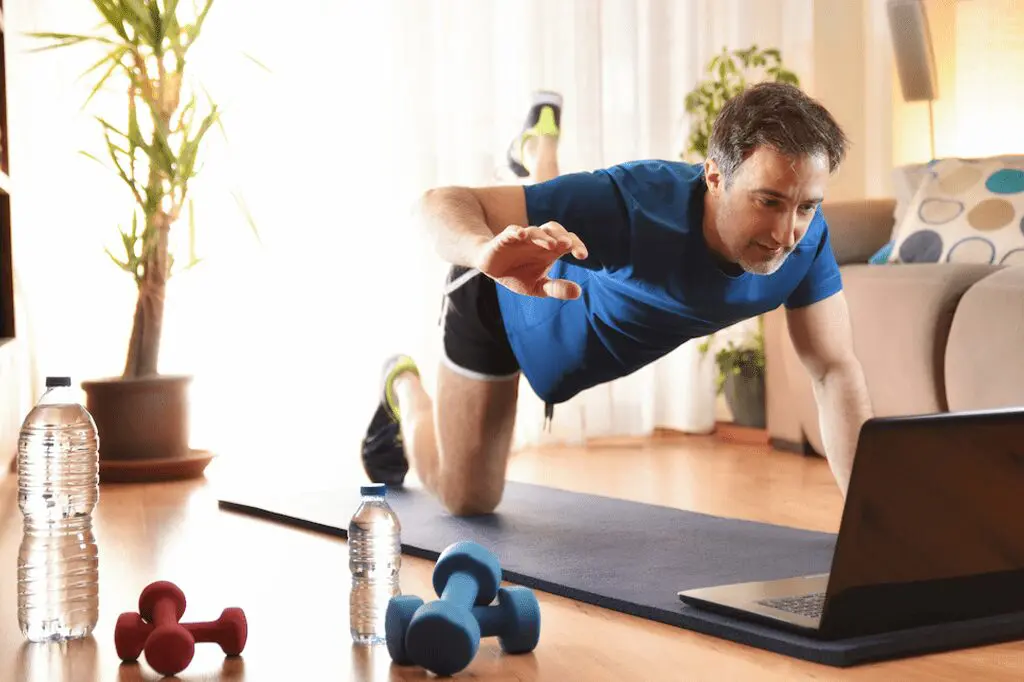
[156, 151]
[730, 73]
[741, 377]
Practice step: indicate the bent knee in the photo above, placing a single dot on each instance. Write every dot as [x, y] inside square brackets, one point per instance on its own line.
[465, 504]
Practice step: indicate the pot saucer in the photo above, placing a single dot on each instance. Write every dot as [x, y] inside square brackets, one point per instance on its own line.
[191, 465]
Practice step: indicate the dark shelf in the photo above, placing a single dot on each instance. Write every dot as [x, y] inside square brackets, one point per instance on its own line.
[7, 312]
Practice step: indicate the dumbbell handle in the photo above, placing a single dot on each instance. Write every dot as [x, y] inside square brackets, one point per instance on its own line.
[461, 588]
[164, 612]
[229, 633]
[208, 631]
[492, 623]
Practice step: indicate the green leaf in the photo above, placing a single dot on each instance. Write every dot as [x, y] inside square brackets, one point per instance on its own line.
[171, 26]
[99, 84]
[159, 30]
[240, 200]
[219, 122]
[93, 157]
[256, 62]
[193, 30]
[115, 19]
[111, 127]
[116, 54]
[121, 264]
[129, 239]
[134, 133]
[67, 39]
[113, 149]
[136, 15]
[164, 157]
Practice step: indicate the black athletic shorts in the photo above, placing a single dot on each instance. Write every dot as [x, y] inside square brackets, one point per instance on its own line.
[475, 343]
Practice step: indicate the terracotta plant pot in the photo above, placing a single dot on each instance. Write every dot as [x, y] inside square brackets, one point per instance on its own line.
[139, 419]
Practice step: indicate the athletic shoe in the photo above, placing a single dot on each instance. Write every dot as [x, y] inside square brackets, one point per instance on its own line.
[544, 118]
[394, 366]
[383, 453]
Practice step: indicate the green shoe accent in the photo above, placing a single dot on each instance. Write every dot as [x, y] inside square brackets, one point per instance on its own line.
[402, 363]
[545, 125]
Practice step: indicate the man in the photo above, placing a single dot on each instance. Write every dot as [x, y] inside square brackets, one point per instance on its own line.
[583, 278]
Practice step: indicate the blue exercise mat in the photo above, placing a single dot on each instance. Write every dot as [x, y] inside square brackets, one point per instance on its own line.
[633, 558]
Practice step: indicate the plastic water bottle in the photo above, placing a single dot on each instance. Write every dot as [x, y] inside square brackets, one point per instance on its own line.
[58, 488]
[375, 558]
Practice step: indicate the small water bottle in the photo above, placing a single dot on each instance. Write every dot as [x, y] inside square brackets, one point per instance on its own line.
[58, 488]
[374, 559]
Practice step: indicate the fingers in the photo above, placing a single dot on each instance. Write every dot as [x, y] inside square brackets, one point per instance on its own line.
[512, 233]
[568, 241]
[579, 249]
[551, 236]
[560, 288]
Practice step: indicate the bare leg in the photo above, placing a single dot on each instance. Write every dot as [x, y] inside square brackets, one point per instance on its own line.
[459, 446]
[541, 156]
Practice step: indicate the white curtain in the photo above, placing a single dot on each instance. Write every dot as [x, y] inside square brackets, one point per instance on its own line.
[367, 105]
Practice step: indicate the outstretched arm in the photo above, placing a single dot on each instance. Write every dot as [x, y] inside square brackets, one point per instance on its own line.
[486, 228]
[824, 342]
[461, 220]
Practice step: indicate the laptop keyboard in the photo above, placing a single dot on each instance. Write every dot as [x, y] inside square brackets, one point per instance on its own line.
[809, 605]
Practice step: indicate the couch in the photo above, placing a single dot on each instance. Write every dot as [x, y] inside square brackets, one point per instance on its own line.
[931, 337]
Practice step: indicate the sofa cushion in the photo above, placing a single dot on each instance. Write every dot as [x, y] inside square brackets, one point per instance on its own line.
[901, 319]
[901, 316]
[985, 353]
[857, 228]
[906, 180]
[967, 211]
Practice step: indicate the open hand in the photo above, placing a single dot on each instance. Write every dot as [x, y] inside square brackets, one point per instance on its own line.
[519, 258]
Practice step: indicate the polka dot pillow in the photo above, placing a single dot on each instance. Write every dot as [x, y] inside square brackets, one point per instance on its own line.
[965, 211]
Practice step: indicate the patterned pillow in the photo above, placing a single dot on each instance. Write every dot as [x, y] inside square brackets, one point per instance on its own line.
[965, 211]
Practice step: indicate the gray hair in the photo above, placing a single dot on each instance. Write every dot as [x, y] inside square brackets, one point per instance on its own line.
[776, 115]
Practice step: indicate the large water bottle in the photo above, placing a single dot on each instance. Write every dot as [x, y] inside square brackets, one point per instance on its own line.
[58, 488]
[375, 558]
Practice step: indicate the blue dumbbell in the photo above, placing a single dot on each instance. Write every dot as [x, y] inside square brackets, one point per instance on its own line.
[514, 620]
[396, 623]
[444, 635]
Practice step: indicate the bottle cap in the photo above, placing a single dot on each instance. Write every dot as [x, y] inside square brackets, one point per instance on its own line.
[373, 489]
[57, 381]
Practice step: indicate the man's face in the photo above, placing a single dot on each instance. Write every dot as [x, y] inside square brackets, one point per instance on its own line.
[765, 212]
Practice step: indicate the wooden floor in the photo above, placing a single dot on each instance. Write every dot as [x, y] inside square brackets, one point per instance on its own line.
[293, 584]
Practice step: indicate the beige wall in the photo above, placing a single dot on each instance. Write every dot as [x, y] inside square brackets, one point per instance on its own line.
[979, 53]
[853, 73]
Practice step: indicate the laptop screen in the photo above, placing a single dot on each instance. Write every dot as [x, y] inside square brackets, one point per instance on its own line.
[933, 526]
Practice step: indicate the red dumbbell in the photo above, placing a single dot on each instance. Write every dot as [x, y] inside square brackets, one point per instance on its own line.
[170, 646]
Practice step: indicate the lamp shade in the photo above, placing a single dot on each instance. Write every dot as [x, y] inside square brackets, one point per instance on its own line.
[912, 50]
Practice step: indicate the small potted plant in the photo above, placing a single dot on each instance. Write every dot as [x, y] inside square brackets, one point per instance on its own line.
[741, 377]
[156, 151]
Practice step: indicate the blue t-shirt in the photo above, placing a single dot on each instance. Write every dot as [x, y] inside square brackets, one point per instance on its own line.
[649, 283]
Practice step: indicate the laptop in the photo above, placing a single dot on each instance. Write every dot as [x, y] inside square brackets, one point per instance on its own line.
[932, 531]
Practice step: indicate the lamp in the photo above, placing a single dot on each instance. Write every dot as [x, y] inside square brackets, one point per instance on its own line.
[915, 59]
